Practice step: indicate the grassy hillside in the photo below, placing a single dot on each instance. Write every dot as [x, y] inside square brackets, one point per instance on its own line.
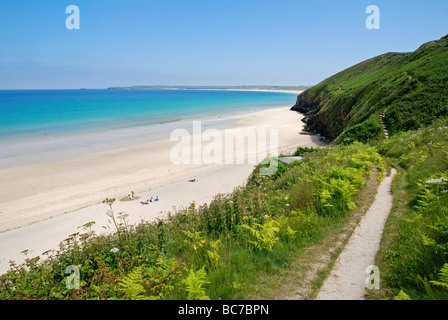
[413, 257]
[411, 89]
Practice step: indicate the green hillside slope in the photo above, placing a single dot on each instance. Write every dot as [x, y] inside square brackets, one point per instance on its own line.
[411, 89]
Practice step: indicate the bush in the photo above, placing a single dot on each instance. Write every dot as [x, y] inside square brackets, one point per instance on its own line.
[364, 132]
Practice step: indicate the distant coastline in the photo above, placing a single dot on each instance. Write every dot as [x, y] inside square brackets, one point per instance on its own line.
[288, 89]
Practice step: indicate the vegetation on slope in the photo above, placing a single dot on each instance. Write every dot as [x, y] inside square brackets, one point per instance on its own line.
[218, 251]
[226, 249]
[411, 89]
[409, 92]
[413, 257]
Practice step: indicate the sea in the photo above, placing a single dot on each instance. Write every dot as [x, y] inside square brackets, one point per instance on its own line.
[46, 125]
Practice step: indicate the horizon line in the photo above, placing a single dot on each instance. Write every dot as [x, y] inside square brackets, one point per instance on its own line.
[164, 86]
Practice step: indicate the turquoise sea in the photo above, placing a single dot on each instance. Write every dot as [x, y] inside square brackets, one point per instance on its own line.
[31, 114]
[41, 126]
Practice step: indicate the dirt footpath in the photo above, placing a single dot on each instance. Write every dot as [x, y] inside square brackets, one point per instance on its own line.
[348, 278]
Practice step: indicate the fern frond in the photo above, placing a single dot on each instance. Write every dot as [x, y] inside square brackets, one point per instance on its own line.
[443, 277]
[266, 236]
[402, 296]
[166, 263]
[194, 282]
[290, 232]
[440, 284]
[131, 286]
[427, 241]
[253, 231]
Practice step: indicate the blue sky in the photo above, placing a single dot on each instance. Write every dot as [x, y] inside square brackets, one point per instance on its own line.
[202, 42]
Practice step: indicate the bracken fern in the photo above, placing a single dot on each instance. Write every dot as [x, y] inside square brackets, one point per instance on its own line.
[266, 235]
[194, 283]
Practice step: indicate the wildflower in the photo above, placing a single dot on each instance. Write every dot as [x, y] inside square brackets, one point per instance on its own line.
[114, 250]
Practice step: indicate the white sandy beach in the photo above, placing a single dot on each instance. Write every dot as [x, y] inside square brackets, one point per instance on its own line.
[43, 203]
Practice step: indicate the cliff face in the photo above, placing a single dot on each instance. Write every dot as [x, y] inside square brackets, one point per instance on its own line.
[310, 104]
[410, 89]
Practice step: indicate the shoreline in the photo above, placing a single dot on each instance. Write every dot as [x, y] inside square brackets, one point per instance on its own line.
[297, 92]
[47, 202]
[18, 152]
[138, 115]
[214, 89]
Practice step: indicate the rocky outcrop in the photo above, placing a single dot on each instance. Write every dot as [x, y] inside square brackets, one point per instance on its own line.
[304, 104]
[309, 105]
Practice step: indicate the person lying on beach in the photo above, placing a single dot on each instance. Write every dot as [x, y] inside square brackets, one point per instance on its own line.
[152, 200]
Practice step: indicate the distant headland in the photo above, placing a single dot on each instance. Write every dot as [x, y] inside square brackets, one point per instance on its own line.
[242, 87]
